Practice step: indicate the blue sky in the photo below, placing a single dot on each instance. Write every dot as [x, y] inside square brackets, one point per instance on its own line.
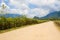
[32, 8]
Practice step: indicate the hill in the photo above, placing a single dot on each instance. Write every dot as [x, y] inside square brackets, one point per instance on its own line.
[53, 15]
[10, 15]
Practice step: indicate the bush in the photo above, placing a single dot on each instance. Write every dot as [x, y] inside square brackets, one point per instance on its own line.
[57, 23]
[7, 23]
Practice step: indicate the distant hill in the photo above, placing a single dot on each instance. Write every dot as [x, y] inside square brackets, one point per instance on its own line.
[10, 15]
[54, 15]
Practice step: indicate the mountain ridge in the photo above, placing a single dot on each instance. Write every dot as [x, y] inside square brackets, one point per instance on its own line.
[10, 15]
[54, 15]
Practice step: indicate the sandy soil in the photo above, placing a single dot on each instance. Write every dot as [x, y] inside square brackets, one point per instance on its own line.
[44, 31]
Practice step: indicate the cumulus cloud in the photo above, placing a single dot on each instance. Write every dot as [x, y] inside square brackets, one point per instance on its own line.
[38, 8]
[42, 2]
[44, 6]
[39, 12]
[50, 4]
[20, 5]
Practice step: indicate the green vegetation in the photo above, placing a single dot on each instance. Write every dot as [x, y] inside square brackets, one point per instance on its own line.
[8, 23]
[57, 23]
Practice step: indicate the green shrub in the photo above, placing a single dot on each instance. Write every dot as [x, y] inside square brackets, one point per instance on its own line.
[7, 23]
[57, 23]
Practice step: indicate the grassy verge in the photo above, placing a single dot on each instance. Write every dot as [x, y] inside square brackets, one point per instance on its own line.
[57, 23]
[14, 28]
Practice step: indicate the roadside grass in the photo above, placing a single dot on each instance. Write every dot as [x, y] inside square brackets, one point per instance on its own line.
[14, 28]
[57, 23]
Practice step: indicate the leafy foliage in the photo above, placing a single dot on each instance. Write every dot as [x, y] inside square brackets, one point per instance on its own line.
[57, 22]
[7, 23]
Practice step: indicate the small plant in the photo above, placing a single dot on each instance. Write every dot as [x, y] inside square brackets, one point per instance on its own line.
[57, 23]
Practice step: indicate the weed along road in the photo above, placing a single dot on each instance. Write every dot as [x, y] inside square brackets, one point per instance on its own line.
[44, 31]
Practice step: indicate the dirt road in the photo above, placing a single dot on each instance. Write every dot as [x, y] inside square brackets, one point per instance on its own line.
[44, 31]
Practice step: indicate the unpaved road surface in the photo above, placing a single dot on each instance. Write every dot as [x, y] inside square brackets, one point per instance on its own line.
[44, 31]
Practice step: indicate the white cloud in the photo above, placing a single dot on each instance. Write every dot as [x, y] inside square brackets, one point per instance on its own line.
[14, 11]
[21, 7]
[52, 4]
[42, 2]
[39, 12]
[18, 3]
